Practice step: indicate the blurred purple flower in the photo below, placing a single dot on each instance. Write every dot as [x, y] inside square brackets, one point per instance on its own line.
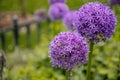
[68, 50]
[95, 21]
[57, 11]
[40, 15]
[56, 1]
[68, 20]
[114, 2]
[2, 57]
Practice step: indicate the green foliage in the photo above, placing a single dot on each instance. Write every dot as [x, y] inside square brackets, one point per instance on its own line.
[34, 63]
[32, 5]
[34, 66]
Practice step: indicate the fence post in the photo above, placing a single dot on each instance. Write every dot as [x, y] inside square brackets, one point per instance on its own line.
[28, 35]
[48, 27]
[48, 24]
[2, 63]
[16, 33]
[38, 31]
[3, 40]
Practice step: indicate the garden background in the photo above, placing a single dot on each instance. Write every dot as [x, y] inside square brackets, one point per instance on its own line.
[33, 63]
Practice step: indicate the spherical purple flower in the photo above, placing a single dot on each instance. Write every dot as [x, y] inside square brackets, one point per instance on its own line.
[95, 21]
[40, 15]
[114, 2]
[68, 20]
[57, 11]
[56, 1]
[68, 50]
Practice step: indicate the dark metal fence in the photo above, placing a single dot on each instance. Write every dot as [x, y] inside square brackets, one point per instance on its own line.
[15, 29]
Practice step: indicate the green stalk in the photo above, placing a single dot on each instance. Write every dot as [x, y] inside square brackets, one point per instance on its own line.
[90, 61]
[68, 75]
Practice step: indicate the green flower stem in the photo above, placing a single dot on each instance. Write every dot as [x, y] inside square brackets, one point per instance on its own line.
[90, 61]
[68, 75]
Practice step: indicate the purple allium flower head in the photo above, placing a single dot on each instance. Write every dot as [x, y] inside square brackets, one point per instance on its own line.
[57, 11]
[68, 20]
[56, 1]
[114, 2]
[68, 50]
[40, 15]
[95, 21]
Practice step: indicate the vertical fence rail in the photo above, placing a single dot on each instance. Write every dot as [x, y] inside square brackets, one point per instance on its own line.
[2, 63]
[16, 30]
[28, 35]
[16, 34]
[38, 31]
[49, 30]
[3, 41]
[48, 24]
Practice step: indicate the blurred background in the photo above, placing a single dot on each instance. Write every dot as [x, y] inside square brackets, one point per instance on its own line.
[25, 42]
